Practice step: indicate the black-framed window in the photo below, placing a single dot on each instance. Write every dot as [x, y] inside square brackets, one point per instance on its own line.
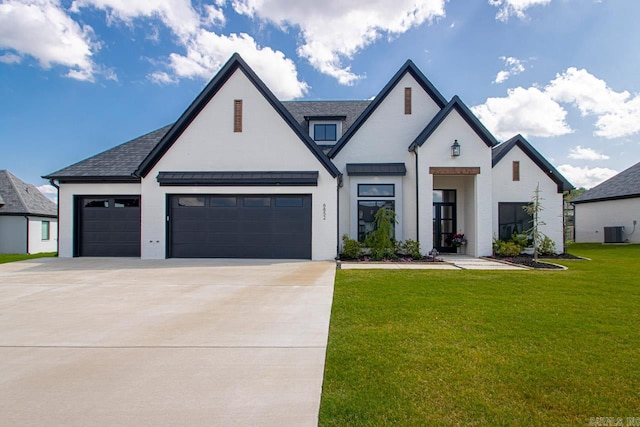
[444, 196]
[257, 202]
[223, 202]
[325, 132]
[46, 230]
[367, 210]
[128, 202]
[96, 203]
[192, 202]
[289, 202]
[512, 218]
[376, 190]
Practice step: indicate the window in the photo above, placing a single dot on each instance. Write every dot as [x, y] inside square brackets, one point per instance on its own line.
[96, 203]
[444, 196]
[237, 115]
[133, 202]
[45, 230]
[367, 210]
[376, 190]
[257, 202]
[516, 171]
[191, 201]
[512, 218]
[324, 132]
[223, 202]
[407, 100]
[289, 202]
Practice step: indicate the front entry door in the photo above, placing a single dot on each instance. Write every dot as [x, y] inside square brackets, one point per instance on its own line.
[444, 220]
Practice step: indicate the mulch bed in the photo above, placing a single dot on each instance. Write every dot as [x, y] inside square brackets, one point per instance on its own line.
[527, 260]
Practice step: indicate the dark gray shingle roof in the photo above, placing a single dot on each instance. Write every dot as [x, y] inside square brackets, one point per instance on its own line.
[116, 163]
[20, 198]
[351, 110]
[624, 185]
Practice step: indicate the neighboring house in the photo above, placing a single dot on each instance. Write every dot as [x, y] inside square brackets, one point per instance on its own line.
[242, 174]
[28, 219]
[610, 211]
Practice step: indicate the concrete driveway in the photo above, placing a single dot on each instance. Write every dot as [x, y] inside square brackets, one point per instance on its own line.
[89, 342]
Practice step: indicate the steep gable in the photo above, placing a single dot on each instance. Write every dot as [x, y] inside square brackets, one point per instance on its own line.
[501, 150]
[235, 64]
[454, 105]
[408, 68]
[20, 198]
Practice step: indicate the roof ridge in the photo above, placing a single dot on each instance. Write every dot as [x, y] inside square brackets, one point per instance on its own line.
[15, 189]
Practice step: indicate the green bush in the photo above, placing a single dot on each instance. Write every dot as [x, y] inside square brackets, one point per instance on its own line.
[409, 247]
[502, 248]
[547, 246]
[379, 254]
[351, 248]
[521, 240]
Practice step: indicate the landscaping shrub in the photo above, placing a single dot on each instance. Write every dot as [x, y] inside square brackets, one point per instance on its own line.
[380, 240]
[351, 248]
[502, 248]
[547, 246]
[411, 248]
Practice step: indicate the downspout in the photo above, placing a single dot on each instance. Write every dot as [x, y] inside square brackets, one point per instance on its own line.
[57, 187]
[338, 186]
[415, 152]
[26, 217]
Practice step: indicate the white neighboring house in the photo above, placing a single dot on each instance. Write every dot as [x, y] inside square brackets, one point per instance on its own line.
[243, 175]
[610, 211]
[28, 219]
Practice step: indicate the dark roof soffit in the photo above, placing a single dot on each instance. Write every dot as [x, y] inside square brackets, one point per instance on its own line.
[457, 104]
[97, 179]
[501, 150]
[376, 169]
[240, 178]
[605, 199]
[218, 81]
[325, 117]
[408, 67]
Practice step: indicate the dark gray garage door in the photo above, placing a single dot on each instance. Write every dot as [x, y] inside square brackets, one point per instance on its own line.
[240, 226]
[108, 226]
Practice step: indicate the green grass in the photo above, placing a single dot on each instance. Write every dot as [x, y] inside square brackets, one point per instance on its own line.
[4, 258]
[486, 348]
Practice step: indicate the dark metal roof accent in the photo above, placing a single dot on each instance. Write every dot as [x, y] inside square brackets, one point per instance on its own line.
[302, 111]
[457, 104]
[408, 67]
[376, 169]
[625, 185]
[235, 63]
[20, 198]
[117, 164]
[241, 178]
[501, 150]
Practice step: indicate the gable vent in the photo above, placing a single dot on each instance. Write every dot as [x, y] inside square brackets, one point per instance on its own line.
[237, 115]
[407, 100]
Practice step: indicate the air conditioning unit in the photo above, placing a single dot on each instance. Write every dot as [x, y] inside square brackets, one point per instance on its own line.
[613, 234]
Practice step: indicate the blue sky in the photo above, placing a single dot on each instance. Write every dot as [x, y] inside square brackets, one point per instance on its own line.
[79, 77]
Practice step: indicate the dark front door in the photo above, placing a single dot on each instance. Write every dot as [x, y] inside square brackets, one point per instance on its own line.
[240, 226]
[444, 220]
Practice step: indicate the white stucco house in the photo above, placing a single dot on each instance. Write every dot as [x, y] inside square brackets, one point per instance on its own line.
[243, 174]
[28, 219]
[610, 211]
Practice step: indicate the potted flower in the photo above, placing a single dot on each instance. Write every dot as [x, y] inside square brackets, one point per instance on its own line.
[459, 241]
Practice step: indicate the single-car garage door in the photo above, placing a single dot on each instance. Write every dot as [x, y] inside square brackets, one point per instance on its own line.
[240, 226]
[108, 226]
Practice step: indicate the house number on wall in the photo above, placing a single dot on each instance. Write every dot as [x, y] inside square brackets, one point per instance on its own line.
[324, 211]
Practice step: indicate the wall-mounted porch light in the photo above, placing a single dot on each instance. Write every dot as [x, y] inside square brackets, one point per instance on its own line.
[455, 149]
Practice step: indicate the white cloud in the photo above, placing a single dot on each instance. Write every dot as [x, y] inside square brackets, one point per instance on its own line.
[50, 191]
[584, 153]
[207, 52]
[530, 112]
[584, 176]
[333, 31]
[515, 8]
[10, 58]
[617, 113]
[514, 66]
[160, 77]
[42, 29]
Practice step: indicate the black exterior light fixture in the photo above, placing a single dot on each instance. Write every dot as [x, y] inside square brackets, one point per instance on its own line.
[455, 149]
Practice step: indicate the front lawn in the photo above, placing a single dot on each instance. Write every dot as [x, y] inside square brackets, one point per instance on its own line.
[442, 347]
[4, 258]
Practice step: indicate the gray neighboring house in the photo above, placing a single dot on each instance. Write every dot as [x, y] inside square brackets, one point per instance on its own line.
[609, 212]
[28, 219]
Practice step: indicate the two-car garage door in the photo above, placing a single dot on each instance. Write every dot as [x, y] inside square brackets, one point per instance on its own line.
[240, 226]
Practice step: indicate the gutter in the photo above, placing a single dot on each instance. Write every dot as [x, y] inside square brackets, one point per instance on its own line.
[413, 150]
[340, 184]
[26, 217]
[57, 187]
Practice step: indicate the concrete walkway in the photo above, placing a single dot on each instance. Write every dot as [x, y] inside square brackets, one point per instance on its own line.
[452, 262]
[127, 342]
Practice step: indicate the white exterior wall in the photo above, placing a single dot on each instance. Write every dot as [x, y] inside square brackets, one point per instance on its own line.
[436, 152]
[591, 218]
[66, 209]
[266, 143]
[507, 190]
[36, 244]
[13, 234]
[385, 138]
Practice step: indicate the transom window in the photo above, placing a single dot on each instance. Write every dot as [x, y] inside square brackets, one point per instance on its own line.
[325, 132]
[512, 218]
[444, 196]
[376, 190]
